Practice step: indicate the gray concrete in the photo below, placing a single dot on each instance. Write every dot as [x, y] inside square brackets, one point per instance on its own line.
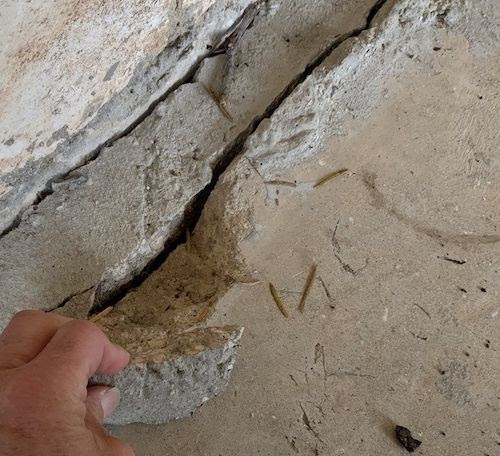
[401, 324]
[158, 391]
[75, 75]
[144, 182]
[395, 331]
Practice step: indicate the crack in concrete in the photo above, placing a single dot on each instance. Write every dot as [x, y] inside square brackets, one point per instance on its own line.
[93, 155]
[231, 152]
[69, 298]
[378, 201]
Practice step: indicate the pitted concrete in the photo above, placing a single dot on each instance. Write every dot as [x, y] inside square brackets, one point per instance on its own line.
[146, 181]
[400, 324]
[77, 76]
[157, 391]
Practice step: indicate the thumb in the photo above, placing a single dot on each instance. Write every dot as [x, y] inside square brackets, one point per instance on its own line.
[102, 401]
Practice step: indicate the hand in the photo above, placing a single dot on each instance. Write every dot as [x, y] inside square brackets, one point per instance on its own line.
[46, 407]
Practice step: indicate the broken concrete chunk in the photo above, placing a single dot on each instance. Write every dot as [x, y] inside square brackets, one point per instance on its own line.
[169, 377]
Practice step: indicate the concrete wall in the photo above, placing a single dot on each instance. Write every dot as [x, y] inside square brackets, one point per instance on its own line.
[75, 73]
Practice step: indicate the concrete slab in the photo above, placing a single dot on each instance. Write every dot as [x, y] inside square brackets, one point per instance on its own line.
[76, 75]
[401, 324]
[147, 180]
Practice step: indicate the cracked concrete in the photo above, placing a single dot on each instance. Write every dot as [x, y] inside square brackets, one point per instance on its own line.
[122, 58]
[73, 230]
[411, 337]
[401, 325]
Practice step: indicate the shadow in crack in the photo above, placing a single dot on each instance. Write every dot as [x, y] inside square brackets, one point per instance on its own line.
[184, 291]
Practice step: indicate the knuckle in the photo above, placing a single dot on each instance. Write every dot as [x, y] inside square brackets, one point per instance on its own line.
[27, 315]
[84, 328]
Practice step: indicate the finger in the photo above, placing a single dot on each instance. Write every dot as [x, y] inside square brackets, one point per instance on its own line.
[78, 350]
[118, 448]
[102, 401]
[26, 336]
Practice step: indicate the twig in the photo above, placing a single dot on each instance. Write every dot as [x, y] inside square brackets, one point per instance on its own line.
[417, 336]
[335, 244]
[307, 423]
[345, 266]
[348, 268]
[327, 291]
[423, 310]
[452, 260]
[219, 101]
[101, 314]
[281, 182]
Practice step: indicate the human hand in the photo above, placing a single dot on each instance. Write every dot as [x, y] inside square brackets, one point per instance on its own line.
[46, 407]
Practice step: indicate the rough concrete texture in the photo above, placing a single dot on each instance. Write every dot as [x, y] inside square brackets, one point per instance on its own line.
[159, 389]
[146, 180]
[401, 323]
[74, 75]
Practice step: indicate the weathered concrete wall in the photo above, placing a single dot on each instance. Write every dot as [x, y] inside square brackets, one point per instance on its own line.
[73, 74]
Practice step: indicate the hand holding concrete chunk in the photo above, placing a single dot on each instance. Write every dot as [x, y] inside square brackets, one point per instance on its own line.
[47, 406]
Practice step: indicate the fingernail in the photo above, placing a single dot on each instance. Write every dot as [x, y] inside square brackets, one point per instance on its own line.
[110, 398]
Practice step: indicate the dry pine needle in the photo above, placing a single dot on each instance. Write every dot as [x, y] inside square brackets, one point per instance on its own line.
[278, 300]
[330, 177]
[307, 287]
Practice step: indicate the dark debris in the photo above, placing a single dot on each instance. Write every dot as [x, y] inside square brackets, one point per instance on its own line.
[406, 439]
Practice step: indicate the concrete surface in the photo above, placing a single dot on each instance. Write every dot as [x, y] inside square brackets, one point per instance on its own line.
[74, 75]
[397, 329]
[401, 324]
[163, 388]
[147, 180]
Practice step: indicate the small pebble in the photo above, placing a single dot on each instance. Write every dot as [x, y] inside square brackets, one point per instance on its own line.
[405, 438]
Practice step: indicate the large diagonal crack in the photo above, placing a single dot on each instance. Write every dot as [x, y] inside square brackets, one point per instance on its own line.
[230, 153]
[186, 79]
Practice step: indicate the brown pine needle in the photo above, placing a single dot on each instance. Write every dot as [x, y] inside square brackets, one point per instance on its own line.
[307, 287]
[330, 177]
[219, 101]
[281, 182]
[100, 315]
[278, 300]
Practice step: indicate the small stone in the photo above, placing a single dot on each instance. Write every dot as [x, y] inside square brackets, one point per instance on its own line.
[406, 439]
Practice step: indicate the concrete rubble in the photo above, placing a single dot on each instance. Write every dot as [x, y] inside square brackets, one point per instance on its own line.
[174, 377]
[217, 185]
